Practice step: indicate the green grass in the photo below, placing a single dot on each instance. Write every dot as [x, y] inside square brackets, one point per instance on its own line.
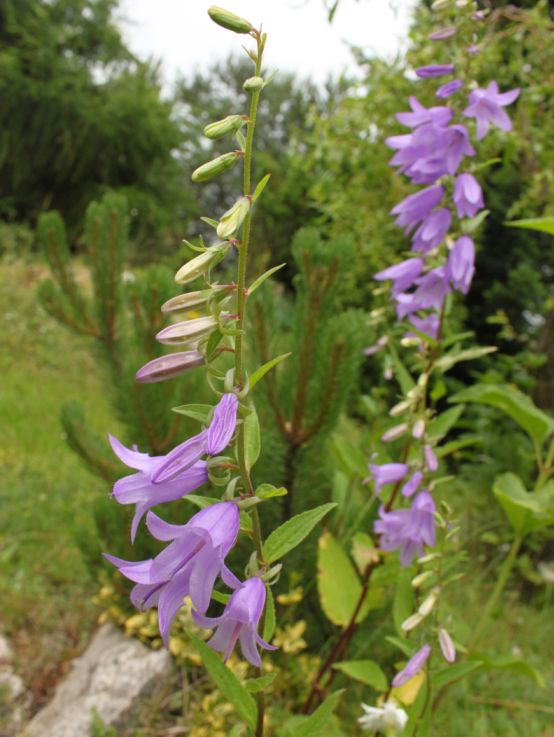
[45, 492]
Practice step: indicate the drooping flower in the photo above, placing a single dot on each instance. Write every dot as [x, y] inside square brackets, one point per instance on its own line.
[415, 207]
[139, 489]
[223, 424]
[183, 456]
[430, 293]
[388, 718]
[412, 485]
[485, 105]
[427, 325]
[434, 70]
[432, 230]
[402, 275]
[461, 263]
[468, 195]
[387, 473]
[408, 529]
[188, 566]
[413, 666]
[239, 621]
[420, 114]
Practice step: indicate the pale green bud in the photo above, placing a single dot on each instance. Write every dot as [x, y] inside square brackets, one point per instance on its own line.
[216, 166]
[230, 124]
[232, 220]
[228, 20]
[427, 606]
[191, 300]
[253, 84]
[188, 331]
[200, 264]
[420, 579]
[399, 408]
[412, 622]
[440, 4]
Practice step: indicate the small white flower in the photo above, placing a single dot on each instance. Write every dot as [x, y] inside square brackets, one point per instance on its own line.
[386, 718]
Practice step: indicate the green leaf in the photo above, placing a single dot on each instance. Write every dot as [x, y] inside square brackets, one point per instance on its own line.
[252, 440]
[513, 403]
[443, 423]
[260, 187]
[455, 672]
[269, 624]
[515, 665]
[471, 225]
[262, 371]
[227, 682]
[338, 583]
[198, 412]
[351, 456]
[201, 501]
[290, 534]
[525, 510]
[400, 371]
[219, 597]
[210, 221]
[445, 363]
[254, 685]
[260, 280]
[404, 600]
[404, 645]
[366, 671]
[313, 725]
[543, 225]
[363, 551]
[268, 491]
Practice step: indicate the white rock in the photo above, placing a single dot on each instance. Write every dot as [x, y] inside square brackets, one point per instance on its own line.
[5, 649]
[111, 677]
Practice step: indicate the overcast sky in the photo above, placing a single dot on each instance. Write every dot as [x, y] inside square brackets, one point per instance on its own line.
[181, 35]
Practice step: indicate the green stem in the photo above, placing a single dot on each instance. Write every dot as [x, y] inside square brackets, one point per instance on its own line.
[239, 359]
[496, 592]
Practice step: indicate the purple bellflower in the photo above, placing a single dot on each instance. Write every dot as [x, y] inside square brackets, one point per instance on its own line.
[468, 195]
[485, 105]
[415, 207]
[427, 325]
[413, 666]
[461, 263]
[188, 566]
[387, 473]
[430, 293]
[139, 489]
[402, 275]
[408, 529]
[239, 621]
[223, 424]
[412, 485]
[432, 230]
[439, 115]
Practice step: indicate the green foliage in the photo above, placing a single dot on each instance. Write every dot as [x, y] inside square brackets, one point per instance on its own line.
[292, 532]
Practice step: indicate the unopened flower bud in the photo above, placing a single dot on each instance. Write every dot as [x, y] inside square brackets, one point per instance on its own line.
[200, 264]
[420, 579]
[418, 429]
[447, 646]
[228, 20]
[216, 166]
[443, 34]
[410, 342]
[166, 367]
[231, 221]
[253, 84]
[230, 124]
[399, 408]
[191, 300]
[430, 458]
[188, 331]
[440, 4]
[423, 381]
[428, 604]
[412, 622]
[394, 433]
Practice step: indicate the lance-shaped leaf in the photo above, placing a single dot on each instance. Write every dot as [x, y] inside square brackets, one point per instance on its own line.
[445, 363]
[198, 412]
[270, 619]
[252, 440]
[513, 403]
[543, 225]
[365, 671]
[260, 280]
[227, 682]
[262, 371]
[525, 510]
[290, 534]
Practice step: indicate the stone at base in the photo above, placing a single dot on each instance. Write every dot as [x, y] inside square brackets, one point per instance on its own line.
[111, 677]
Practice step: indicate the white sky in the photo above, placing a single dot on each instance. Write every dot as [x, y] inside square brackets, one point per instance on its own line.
[180, 33]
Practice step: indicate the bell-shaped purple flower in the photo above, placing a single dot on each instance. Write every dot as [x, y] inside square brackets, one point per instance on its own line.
[402, 275]
[427, 325]
[182, 457]
[408, 529]
[461, 263]
[223, 424]
[434, 70]
[239, 621]
[387, 473]
[139, 489]
[413, 666]
[412, 484]
[468, 195]
[414, 208]
[432, 230]
[485, 105]
[430, 293]
[188, 566]
[420, 114]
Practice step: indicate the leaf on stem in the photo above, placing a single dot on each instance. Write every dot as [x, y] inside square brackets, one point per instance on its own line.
[262, 371]
[260, 280]
[290, 534]
[365, 671]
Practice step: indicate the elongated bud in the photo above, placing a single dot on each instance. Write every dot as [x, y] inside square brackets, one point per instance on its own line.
[229, 20]
[230, 124]
[440, 4]
[418, 429]
[412, 622]
[200, 264]
[420, 579]
[216, 166]
[191, 300]
[253, 84]
[187, 332]
[232, 220]
[166, 367]
[399, 408]
[428, 604]
[447, 646]
[394, 433]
